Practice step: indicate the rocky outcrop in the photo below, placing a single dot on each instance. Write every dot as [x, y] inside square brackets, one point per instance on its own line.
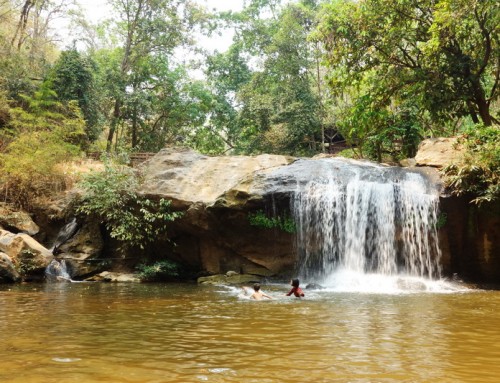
[8, 272]
[189, 178]
[439, 152]
[219, 195]
[29, 257]
[469, 234]
[470, 240]
[216, 195]
[17, 221]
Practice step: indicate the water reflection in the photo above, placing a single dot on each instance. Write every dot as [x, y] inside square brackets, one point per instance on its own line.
[186, 333]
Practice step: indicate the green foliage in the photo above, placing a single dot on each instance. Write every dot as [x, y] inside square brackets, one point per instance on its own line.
[158, 271]
[404, 69]
[274, 106]
[38, 136]
[441, 220]
[111, 196]
[284, 223]
[27, 262]
[73, 79]
[479, 172]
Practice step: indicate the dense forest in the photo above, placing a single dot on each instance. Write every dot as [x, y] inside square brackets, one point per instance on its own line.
[372, 78]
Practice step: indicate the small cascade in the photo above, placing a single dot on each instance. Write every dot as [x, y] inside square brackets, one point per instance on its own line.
[364, 219]
[66, 232]
[57, 271]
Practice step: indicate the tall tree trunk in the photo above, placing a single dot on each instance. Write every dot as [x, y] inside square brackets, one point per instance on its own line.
[134, 127]
[21, 25]
[472, 113]
[114, 123]
[484, 112]
[482, 104]
[320, 96]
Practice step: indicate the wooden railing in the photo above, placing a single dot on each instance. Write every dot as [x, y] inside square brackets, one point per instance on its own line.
[135, 158]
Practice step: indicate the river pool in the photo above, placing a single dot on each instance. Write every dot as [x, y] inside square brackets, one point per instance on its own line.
[95, 332]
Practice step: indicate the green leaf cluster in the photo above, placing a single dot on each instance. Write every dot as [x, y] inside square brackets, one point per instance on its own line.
[401, 70]
[158, 271]
[284, 223]
[111, 196]
[478, 174]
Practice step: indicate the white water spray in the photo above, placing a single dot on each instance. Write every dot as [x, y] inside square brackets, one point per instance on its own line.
[57, 271]
[365, 220]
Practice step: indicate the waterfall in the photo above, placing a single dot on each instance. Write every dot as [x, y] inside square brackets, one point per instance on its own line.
[66, 232]
[366, 219]
[57, 271]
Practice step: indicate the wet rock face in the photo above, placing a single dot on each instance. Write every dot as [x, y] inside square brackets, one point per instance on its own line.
[81, 250]
[471, 240]
[217, 194]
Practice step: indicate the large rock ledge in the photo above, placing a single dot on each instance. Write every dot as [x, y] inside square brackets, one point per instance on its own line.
[189, 178]
[217, 195]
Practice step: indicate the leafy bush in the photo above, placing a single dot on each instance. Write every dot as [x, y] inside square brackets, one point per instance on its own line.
[158, 271]
[260, 219]
[479, 172]
[111, 196]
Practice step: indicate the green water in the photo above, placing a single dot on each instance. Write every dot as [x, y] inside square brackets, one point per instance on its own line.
[186, 333]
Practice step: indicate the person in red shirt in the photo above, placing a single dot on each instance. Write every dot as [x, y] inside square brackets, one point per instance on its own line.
[296, 290]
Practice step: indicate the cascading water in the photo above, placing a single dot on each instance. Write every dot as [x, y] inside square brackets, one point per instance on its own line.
[66, 232]
[57, 271]
[358, 219]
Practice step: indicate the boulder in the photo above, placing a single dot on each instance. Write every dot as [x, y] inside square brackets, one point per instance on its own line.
[8, 272]
[107, 276]
[188, 177]
[29, 257]
[439, 152]
[16, 220]
[223, 279]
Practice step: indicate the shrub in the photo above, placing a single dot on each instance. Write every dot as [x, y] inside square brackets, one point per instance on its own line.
[479, 172]
[158, 271]
[37, 136]
[111, 197]
[260, 219]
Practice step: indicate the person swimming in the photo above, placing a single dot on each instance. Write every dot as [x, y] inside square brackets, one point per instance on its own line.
[257, 294]
[296, 290]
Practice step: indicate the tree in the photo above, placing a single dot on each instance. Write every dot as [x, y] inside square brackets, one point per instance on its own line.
[147, 27]
[440, 54]
[111, 196]
[274, 104]
[73, 79]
